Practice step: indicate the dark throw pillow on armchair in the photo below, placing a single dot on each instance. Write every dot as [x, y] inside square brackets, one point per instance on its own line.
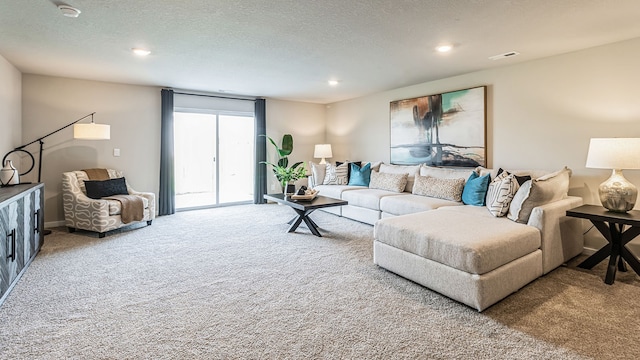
[97, 189]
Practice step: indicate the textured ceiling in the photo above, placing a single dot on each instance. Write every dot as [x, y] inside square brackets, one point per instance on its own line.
[288, 49]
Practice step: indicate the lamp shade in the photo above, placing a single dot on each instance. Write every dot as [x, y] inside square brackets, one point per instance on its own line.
[614, 153]
[92, 131]
[322, 151]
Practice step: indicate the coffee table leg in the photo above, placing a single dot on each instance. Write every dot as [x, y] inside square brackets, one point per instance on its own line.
[297, 221]
[304, 216]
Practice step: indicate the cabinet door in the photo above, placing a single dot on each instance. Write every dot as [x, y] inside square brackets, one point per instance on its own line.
[32, 217]
[8, 245]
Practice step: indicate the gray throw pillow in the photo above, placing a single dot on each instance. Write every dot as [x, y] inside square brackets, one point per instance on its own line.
[447, 189]
[388, 181]
[537, 192]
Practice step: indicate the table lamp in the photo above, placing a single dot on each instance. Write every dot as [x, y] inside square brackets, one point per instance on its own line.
[322, 151]
[617, 194]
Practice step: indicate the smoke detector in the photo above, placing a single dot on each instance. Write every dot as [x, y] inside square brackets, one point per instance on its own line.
[69, 11]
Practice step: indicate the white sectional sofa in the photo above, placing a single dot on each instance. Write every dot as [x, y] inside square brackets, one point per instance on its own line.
[464, 251]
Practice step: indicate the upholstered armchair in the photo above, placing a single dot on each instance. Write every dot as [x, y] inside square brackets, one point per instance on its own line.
[99, 215]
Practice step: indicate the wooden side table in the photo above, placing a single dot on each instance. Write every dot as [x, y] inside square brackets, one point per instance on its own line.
[612, 226]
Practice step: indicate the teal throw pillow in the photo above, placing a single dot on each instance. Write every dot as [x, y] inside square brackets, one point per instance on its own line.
[475, 190]
[360, 176]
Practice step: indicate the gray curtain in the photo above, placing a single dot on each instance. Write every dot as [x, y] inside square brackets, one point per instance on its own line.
[167, 193]
[260, 187]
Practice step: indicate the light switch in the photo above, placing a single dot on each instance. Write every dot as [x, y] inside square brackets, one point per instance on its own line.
[116, 152]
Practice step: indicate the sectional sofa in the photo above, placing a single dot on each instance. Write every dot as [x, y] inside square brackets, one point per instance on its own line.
[472, 252]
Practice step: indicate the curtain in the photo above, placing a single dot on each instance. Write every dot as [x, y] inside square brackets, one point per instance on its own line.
[260, 187]
[166, 195]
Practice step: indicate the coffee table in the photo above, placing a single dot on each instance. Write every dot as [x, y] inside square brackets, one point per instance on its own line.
[305, 207]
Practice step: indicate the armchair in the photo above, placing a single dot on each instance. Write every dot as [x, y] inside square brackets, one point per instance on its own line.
[99, 215]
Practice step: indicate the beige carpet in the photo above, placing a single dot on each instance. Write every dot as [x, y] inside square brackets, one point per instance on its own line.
[230, 283]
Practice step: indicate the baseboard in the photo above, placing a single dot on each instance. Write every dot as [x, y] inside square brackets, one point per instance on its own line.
[52, 224]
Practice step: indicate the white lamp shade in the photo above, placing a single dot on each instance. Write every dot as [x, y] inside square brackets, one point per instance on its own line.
[614, 153]
[322, 151]
[92, 131]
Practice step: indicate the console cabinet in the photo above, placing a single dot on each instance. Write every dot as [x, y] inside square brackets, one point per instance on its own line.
[21, 225]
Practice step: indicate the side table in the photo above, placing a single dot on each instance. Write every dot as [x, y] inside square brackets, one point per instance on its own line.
[612, 226]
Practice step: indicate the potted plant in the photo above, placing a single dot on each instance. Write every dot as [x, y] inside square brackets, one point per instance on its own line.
[285, 174]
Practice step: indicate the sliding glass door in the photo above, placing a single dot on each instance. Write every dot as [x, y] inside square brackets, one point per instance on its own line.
[214, 158]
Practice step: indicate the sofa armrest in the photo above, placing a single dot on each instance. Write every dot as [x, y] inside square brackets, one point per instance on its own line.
[561, 236]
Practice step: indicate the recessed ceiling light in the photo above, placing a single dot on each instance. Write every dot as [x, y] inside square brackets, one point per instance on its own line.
[69, 11]
[141, 52]
[444, 48]
[333, 82]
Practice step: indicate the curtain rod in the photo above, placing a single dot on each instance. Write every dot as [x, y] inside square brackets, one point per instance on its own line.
[213, 96]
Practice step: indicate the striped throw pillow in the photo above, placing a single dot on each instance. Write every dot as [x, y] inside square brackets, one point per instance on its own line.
[500, 193]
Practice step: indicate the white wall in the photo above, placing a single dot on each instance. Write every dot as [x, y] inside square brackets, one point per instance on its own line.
[304, 121]
[10, 107]
[541, 114]
[132, 111]
[134, 115]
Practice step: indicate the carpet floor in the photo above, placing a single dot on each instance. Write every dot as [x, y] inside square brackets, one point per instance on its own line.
[230, 283]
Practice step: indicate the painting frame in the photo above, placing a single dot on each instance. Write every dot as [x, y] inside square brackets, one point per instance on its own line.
[447, 129]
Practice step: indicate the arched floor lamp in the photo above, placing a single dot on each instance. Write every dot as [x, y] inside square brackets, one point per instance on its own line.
[90, 131]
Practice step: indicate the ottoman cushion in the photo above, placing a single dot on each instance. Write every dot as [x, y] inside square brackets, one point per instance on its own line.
[472, 241]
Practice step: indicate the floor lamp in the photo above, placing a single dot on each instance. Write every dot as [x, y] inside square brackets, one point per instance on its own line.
[90, 131]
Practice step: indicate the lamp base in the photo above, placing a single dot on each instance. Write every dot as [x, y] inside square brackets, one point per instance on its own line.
[617, 194]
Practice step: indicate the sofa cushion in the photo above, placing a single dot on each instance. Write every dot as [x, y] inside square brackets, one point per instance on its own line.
[336, 175]
[500, 193]
[366, 198]
[537, 192]
[410, 170]
[483, 244]
[446, 173]
[335, 191]
[403, 204]
[475, 189]
[387, 181]
[447, 189]
[360, 175]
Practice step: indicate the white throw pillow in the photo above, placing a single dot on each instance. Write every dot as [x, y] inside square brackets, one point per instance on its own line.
[537, 192]
[317, 171]
[388, 181]
[500, 194]
[410, 170]
[447, 189]
[336, 175]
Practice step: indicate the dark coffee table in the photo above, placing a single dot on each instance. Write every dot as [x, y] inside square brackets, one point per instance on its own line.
[303, 208]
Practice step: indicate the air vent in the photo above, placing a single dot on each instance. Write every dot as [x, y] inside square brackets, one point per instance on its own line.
[505, 55]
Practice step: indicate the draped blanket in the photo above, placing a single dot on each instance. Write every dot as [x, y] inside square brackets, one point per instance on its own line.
[132, 208]
[97, 174]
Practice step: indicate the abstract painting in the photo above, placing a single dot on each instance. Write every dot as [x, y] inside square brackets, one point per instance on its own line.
[447, 129]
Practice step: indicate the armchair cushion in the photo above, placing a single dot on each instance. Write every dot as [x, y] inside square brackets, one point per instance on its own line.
[97, 189]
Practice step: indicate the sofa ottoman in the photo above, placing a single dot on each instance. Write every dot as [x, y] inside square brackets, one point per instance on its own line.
[471, 257]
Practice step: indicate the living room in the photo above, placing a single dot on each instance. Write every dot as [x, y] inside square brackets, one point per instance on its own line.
[541, 114]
